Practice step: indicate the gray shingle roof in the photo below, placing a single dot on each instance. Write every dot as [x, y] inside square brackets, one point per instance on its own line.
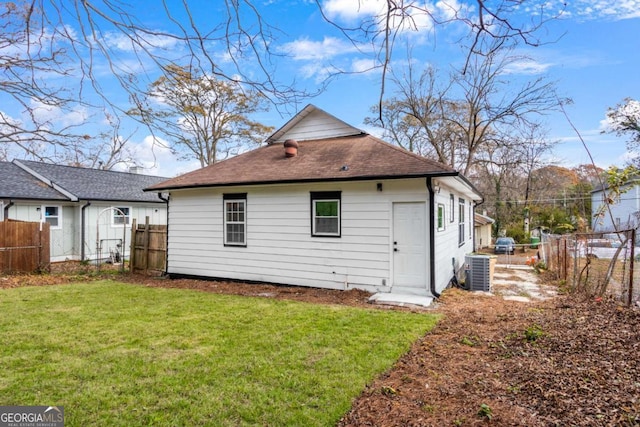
[84, 183]
[16, 183]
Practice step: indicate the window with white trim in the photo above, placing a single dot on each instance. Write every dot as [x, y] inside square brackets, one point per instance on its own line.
[52, 216]
[440, 217]
[235, 219]
[461, 217]
[325, 213]
[121, 215]
[452, 207]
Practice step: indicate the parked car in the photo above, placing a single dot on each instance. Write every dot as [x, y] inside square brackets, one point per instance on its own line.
[505, 245]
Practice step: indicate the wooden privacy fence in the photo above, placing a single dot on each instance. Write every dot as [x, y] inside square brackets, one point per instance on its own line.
[24, 247]
[148, 248]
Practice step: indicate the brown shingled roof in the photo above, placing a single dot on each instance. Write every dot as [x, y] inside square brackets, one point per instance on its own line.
[356, 157]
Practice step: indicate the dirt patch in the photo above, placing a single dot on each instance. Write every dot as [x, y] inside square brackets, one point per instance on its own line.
[351, 297]
[563, 361]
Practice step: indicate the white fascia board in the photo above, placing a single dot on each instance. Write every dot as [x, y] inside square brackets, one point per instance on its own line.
[46, 180]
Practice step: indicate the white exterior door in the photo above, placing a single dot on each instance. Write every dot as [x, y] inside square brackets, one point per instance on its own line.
[409, 245]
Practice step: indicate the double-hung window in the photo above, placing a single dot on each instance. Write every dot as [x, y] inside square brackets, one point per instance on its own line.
[325, 213]
[121, 215]
[461, 214]
[52, 216]
[235, 219]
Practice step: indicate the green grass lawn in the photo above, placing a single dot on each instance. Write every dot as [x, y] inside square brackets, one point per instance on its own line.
[120, 354]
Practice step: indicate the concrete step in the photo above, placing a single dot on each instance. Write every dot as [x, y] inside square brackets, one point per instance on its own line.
[400, 299]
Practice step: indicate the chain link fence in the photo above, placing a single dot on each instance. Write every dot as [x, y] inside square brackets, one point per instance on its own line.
[596, 264]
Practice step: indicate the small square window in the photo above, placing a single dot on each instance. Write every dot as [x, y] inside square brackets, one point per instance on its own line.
[325, 214]
[121, 215]
[52, 216]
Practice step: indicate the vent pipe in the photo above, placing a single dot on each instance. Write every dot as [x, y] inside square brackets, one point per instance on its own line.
[290, 148]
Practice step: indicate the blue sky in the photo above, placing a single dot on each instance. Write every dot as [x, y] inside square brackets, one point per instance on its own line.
[595, 62]
[594, 56]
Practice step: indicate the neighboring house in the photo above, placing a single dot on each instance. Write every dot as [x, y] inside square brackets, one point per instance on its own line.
[323, 204]
[625, 211]
[483, 226]
[89, 210]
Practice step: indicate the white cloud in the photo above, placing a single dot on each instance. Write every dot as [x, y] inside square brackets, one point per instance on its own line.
[612, 9]
[352, 10]
[416, 16]
[586, 9]
[7, 119]
[45, 113]
[125, 43]
[323, 58]
[363, 65]
[309, 50]
[153, 154]
[449, 9]
[528, 66]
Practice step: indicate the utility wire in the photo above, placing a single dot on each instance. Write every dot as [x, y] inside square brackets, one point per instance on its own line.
[561, 199]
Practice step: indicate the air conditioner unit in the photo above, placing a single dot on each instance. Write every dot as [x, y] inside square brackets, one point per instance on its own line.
[479, 270]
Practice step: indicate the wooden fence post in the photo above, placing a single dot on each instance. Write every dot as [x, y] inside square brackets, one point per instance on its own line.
[148, 251]
[132, 247]
[147, 233]
[631, 267]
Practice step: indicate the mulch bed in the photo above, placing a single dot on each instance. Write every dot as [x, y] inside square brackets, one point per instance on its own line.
[566, 361]
[562, 362]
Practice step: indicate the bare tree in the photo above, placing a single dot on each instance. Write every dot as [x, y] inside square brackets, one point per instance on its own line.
[56, 55]
[460, 120]
[105, 151]
[415, 118]
[534, 145]
[203, 117]
[498, 176]
[31, 57]
[484, 20]
[492, 104]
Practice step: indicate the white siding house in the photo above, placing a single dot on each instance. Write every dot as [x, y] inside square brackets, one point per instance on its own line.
[89, 211]
[624, 211]
[345, 211]
[483, 231]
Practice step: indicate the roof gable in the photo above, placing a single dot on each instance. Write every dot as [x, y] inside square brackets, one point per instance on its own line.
[312, 123]
[328, 150]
